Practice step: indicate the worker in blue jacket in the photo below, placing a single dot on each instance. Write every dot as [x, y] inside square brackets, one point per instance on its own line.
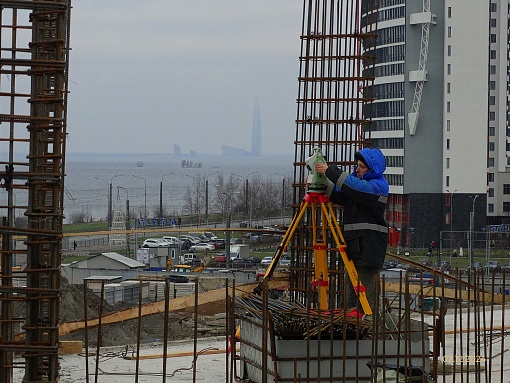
[363, 195]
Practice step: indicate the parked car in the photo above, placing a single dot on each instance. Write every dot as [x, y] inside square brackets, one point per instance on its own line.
[253, 259]
[172, 240]
[506, 267]
[284, 261]
[493, 266]
[389, 264]
[211, 236]
[445, 266]
[219, 244]
[155, 242]
[202, 246]
[477, 266]
[266, 261]
[190, 238]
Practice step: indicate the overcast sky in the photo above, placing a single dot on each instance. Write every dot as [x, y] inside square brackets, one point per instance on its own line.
[147, 75]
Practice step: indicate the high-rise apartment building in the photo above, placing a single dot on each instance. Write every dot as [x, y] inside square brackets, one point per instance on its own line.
[440, 114]
[498, 133]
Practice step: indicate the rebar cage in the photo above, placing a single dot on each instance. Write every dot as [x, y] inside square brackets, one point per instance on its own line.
[34, 47]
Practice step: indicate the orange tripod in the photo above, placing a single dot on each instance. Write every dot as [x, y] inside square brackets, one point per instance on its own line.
[316, 201]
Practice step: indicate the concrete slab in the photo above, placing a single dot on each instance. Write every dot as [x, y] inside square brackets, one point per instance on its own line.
[113, 368]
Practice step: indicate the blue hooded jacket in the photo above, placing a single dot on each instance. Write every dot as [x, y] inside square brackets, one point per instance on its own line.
[364, 201]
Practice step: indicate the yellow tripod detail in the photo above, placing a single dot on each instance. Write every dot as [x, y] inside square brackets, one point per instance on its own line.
[316, 200]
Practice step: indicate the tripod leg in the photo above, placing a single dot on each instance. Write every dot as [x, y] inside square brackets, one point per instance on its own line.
[349, 264]
[283, 245]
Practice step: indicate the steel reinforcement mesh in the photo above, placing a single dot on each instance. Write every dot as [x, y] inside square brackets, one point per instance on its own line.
[335, 75]
[34, 47]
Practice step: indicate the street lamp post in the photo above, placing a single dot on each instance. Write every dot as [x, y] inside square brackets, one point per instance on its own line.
[207, 197]
[161, 195]
[471, 230]
[145, 195]
[451, 221]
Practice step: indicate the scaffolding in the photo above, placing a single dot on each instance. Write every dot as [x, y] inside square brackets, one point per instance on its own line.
[34, 47]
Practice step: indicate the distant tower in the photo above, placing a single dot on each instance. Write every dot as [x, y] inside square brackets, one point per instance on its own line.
[119, 223]
[256, 132]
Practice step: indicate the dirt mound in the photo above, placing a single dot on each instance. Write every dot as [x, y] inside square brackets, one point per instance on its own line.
[152, 327]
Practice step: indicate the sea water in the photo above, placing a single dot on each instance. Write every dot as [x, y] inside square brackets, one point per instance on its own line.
[142, 180]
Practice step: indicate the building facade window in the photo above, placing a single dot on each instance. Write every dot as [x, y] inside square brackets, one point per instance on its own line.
[448, 125]
[449, 50]
[449, 69]
[448, 87]
[449, 32]
[493, 54]
[447, 181]
[491, 208]
[448, 107]
[492, 131]
[492, 85]
[490, 192]
[447, 163]
[490, 162]
[491, 146]
[493, 38]
[447, 144]
[506, 188]
[506, 207]
[490, 177]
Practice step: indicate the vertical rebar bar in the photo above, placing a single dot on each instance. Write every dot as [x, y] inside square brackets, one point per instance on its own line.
[165, 329]
[138, 331]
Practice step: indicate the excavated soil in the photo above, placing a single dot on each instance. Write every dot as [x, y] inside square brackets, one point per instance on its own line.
[211, 320]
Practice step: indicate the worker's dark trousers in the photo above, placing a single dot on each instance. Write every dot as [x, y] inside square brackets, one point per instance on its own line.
[366, 275]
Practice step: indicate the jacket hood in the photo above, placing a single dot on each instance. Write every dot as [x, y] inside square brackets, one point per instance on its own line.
[375, 160]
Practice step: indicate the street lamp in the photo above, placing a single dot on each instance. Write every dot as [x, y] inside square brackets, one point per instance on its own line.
[471, 230]
[161, 194]
[145, 195]
[207, 197]
[451, 220]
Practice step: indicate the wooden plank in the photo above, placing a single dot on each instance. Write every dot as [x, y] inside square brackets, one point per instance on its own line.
[431, 291]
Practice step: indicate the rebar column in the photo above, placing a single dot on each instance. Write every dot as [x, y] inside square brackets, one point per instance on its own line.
[34, 47]
[335, 77]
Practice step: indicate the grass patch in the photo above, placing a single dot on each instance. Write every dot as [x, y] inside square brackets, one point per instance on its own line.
[84, 227]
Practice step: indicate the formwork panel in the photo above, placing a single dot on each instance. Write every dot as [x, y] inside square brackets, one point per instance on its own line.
[331, 361]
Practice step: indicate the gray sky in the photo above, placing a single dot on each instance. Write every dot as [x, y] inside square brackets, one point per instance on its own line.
[147, 75]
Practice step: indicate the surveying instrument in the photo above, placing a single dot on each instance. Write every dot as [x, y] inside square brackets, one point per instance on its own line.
[317, 201]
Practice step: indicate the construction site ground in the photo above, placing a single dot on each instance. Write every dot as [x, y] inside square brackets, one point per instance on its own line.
[116, 366]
